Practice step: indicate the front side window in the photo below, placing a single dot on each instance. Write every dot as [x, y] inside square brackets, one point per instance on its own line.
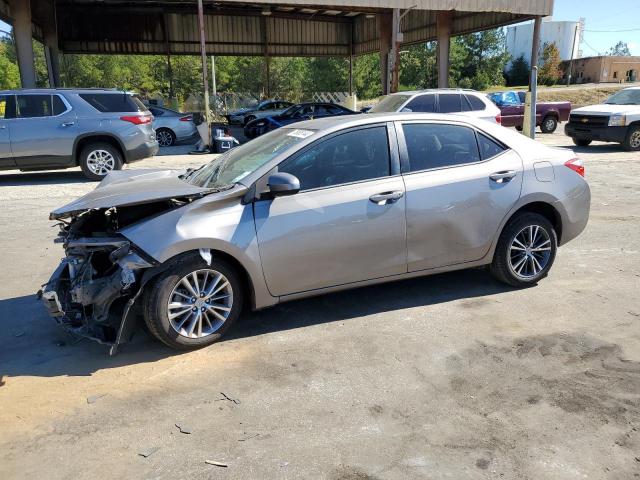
[450, 103]
[422, 103]
[432, 145]
[32, 106]
[350, 157]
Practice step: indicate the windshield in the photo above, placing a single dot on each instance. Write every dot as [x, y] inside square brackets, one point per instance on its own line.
[625, 97]
[239, 162]
[290, 111]
[390, 103]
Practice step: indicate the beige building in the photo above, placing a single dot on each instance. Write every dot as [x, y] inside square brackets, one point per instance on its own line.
[603, 69]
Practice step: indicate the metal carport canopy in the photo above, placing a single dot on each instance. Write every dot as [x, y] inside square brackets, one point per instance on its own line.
[270, 28]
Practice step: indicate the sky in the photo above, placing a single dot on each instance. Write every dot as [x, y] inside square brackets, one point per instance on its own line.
[605, 23]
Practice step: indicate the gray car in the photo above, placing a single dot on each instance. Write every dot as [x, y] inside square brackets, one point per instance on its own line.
[319, 206]
[172, 126]
[98, 130]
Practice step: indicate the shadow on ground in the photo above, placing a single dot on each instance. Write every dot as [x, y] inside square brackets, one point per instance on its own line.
[19, 179]
[32, 344]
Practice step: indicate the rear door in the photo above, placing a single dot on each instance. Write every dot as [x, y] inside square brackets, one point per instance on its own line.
[7, 109]
[43, 132]
[346, 224]
[460, 184]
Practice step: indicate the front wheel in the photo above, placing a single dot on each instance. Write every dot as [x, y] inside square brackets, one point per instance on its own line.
[192, 304]
[582, 142]
[165, 137]
[549, 124]
[97, 160]
[632, 141]
[526, 250]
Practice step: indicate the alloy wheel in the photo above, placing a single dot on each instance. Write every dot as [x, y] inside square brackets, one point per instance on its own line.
[100, 162]
[634, 140]
[164, 138]
[200, 303]
[549, 123]
[530, 251]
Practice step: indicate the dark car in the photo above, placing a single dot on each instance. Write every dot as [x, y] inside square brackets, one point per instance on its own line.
[295, 113]
[548, 114]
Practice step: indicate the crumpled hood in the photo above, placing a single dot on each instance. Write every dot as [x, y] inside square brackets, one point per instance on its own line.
[605, 109]
[131, 187]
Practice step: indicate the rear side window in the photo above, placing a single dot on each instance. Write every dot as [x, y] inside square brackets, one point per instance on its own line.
[450, 103]
[475, 102]
[7, 106]
[423, 103]
[113, 102]
[432, 145]
[32, 106]
[58, 105]
[489, 148]
[156, 112]
[349, 157]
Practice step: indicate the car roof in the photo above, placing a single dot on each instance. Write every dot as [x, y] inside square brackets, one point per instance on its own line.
[437, 90]
[17, 91]
[341, 122]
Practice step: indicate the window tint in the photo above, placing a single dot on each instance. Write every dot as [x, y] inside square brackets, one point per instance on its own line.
[6, 104]
[113, 102]
[350, 157]
[423, 103]
[431, 145]
[58, 105]
[30, 106]
[449, 103]
[488, 147]
[476, 103]
[156, 112]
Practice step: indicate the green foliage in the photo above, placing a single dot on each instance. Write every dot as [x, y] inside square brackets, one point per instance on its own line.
[366, 76]
[519, 72]
[9, 73]
[477, 60]
[418, 66]
[550, 73]
[619, 49]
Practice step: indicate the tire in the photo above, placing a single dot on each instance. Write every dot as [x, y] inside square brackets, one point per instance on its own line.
[632, 140]
[187, 331]
[98, 159]
[549, 124]
[165, 137]
[250, 118]
[519, 128]
[507, 266]
[582, 142]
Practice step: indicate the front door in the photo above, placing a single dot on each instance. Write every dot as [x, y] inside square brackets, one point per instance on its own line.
[459, 187]
[6, 109]
[347, 223]
[43, 132]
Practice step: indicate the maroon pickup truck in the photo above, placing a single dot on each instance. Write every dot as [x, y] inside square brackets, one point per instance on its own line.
[548, 114]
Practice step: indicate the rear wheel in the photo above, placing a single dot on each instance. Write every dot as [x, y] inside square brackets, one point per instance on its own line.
[526, 250]
[549, 124]
[582, 142]
[165, 137]
[192, 304]
[632, 141]
[97, 160]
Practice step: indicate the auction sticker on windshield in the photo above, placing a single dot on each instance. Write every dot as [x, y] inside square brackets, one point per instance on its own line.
[298, 133]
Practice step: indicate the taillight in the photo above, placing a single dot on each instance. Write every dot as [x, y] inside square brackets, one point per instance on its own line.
[576, 165]
[137, 119]
[499, 119]
[188, 118]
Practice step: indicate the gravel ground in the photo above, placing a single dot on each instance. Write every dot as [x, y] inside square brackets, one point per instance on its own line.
[450, 376]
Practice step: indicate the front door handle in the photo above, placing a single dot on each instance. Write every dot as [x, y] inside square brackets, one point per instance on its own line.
[67, 124]
[2, 127]
[503, 176]
[386, 197]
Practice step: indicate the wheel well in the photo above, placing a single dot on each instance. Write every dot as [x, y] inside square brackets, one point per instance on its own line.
[547, 211]
[244, 275]
[83, 142]
[551, 114]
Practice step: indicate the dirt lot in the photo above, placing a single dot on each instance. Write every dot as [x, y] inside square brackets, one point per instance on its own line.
[451, 376]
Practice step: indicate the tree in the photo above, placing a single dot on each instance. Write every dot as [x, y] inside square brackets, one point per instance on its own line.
[9, 73]
[519, 72]
[550, 72]
[620, 49]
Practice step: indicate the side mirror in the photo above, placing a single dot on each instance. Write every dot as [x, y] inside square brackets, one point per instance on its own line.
[281, 184]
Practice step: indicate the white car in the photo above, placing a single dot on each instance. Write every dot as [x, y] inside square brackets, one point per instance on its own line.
[615, 120]
[442, 100]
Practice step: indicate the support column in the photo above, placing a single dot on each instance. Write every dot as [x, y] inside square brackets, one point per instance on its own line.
[394, 53]
[52, 54]
[205, 79]
[386, 24]
[22, 33]
[444, 21]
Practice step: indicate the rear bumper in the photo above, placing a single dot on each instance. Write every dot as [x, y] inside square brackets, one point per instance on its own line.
[574, 210]
[143, 151]
[604, 134]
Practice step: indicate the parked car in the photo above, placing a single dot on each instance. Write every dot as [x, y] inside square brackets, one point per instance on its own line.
[615, 120]
[172, 126]
[295, 113]
[548, 114]
[318, 206]
[98, 130]
[443, 100]
[258, 110]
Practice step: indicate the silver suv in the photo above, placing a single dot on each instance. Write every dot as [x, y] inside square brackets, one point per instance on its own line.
[96, 129]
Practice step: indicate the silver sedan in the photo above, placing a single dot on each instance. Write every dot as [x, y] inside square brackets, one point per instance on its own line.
[172, 126]
[325, 205]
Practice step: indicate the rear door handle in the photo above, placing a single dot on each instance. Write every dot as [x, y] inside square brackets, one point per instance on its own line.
[2, 127]
[386, 197]
[503, 176]
[68, 124]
